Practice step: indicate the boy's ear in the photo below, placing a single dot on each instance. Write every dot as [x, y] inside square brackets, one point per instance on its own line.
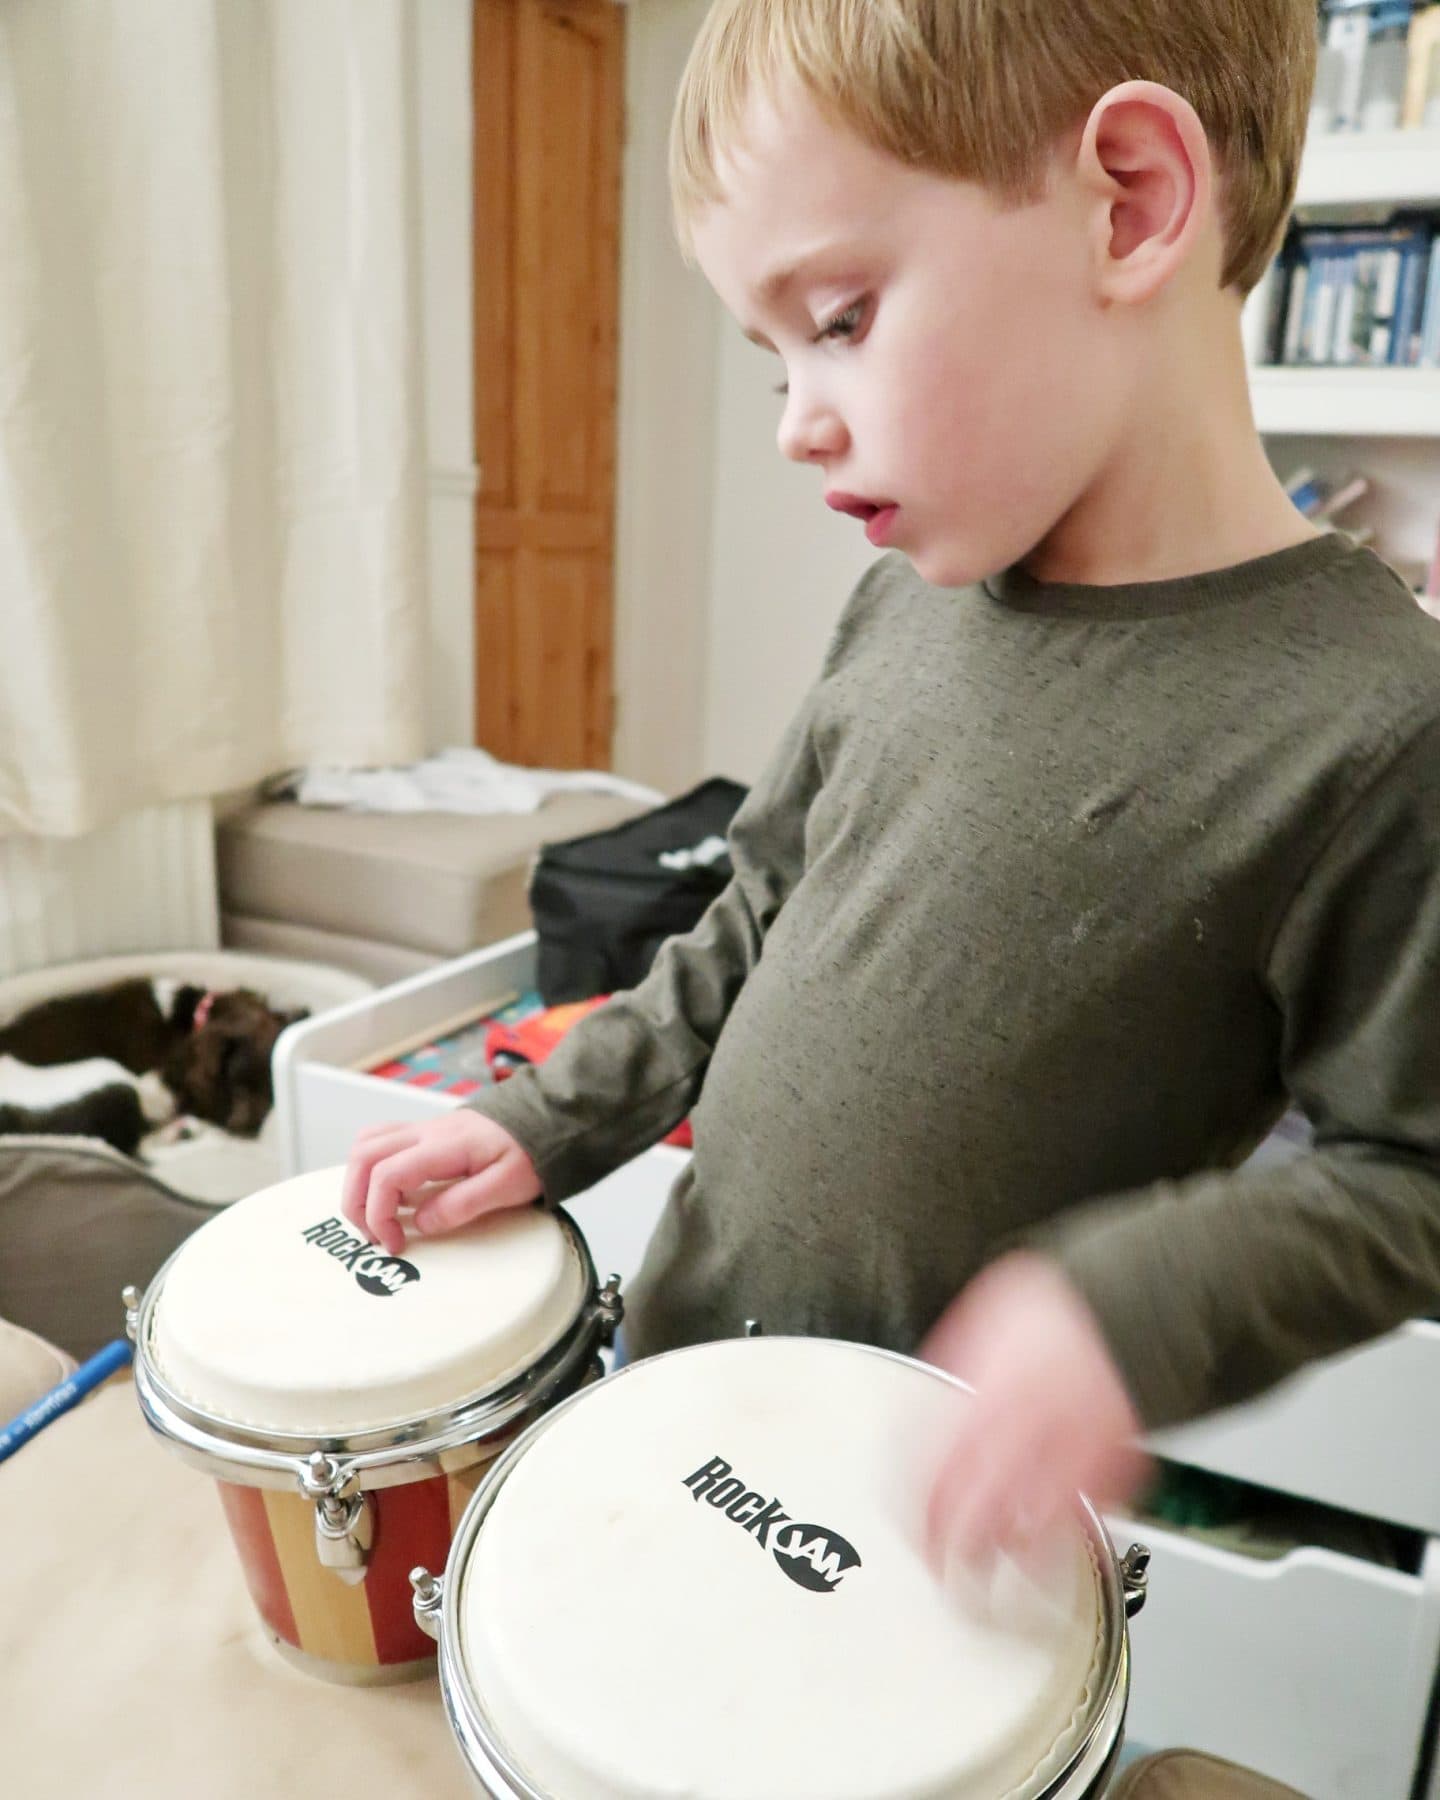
[1144, 162]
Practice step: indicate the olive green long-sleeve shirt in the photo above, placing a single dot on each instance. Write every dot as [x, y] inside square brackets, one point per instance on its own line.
[1049, 900]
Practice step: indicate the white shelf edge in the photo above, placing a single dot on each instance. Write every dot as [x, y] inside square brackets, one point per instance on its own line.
[1378, 168]
[1346, 402]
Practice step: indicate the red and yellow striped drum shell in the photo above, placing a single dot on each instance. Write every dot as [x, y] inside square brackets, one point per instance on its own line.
[367, 1630]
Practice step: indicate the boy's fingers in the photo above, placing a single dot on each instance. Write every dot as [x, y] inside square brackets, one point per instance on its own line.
[383, 1129]
[463, 1202]
[948, 1512]
[369, 1148]
[1002, 1494]
[405, 1173]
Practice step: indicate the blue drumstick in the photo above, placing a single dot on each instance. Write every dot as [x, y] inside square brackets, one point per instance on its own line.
[62, 1397]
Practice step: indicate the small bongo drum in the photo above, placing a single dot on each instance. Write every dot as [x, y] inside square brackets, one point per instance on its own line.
[348, 1401]
[705, 1576]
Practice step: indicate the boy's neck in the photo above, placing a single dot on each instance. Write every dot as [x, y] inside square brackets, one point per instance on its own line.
[1189, 488]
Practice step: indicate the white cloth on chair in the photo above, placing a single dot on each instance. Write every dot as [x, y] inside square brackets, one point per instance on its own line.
[461, 780]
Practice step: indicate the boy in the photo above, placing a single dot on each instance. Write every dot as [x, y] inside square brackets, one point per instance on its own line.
[1114, 818]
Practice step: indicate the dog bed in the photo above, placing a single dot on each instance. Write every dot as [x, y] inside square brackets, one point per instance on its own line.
[78, 1219]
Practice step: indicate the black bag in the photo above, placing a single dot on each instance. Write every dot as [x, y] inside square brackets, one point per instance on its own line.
[604, 903]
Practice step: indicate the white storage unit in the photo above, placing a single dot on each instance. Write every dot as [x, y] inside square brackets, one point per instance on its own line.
[1314, 1669]
[1355, 1432]
[322, 1099]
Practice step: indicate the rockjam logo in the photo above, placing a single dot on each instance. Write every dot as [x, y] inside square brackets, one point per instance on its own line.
[376, 1273]
[812, 1555]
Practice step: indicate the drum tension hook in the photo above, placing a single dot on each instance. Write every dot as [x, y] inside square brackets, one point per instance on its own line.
[429, 1598]
[609, 1310]
[1135, 1578]
[130, 1300]
[344, 1528]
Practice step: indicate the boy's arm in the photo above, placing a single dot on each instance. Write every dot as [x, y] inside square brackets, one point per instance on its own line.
[630, 1071]
[1210, 1289]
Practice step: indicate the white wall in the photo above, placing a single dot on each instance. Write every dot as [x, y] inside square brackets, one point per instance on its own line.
[445, 125]
[665, 472]
[730, 571]
[781, 567]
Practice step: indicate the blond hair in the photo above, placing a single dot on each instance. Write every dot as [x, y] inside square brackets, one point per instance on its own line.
[982, 89]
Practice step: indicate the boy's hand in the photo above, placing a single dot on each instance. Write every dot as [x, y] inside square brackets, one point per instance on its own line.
[1050, 1415]
[390, 1166]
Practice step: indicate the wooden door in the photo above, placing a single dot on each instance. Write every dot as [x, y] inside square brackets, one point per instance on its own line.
[549, 120]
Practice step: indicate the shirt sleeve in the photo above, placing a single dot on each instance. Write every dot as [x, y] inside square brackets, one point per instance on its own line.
[631, 1070]
[1211, 1289]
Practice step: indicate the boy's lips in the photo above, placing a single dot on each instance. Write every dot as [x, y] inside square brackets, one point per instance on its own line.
[877, 516]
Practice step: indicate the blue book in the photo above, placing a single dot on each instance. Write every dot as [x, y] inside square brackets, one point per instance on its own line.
[1327, 297]
[1410, 300]
[1430, 329]
[1331, 257]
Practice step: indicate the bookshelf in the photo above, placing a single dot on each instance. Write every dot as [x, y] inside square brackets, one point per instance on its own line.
[1385, 422]
[1370, 169]
[1352, 176]
[1347, 403]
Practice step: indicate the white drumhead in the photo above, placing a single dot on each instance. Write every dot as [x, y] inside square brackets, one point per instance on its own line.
[706, 1578]
[278, 1314]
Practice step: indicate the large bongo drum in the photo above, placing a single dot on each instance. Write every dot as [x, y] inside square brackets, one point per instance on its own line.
[348, 1401]
[705, 1577]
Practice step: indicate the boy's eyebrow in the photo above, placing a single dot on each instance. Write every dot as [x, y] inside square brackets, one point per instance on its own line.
[781, 277]
[775, 283]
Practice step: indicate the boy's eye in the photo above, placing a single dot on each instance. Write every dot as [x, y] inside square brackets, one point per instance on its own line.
[844, 324]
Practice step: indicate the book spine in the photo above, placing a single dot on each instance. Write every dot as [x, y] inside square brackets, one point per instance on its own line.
[1349, 33]
[1430, 333]
[1424, 37]
[1387, 290]
[1326, 300]
[1347, 286]
[1424, 256]
[1295, 317]
[1404, 310]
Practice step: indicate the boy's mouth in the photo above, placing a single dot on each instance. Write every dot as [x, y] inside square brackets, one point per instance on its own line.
[877, 516]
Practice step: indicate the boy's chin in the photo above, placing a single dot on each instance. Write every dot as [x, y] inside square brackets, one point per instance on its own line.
[948, 568]
[961, 563]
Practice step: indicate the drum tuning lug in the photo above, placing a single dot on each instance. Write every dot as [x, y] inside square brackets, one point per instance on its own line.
[130, 1300]
[429, 1598]
[1135, 1578]
[344, 1528]
[753, 1328]
[609, 1309]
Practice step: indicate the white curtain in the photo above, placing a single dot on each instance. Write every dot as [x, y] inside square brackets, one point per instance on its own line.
[212, 469]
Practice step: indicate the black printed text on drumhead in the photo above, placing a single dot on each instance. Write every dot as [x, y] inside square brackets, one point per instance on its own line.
[813, 1556]
[375, 1272]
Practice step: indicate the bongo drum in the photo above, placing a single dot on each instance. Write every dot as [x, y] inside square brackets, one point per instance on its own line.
[705, 1577]
[348, 1401]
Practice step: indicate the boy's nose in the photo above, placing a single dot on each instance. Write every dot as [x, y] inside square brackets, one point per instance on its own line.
[809, 432]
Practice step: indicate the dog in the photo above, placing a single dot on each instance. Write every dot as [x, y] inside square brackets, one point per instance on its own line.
[210, 1051]
[113, 1110]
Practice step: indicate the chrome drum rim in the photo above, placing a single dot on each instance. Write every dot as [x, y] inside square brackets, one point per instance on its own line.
[439, 1442]
[1082, 1775]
